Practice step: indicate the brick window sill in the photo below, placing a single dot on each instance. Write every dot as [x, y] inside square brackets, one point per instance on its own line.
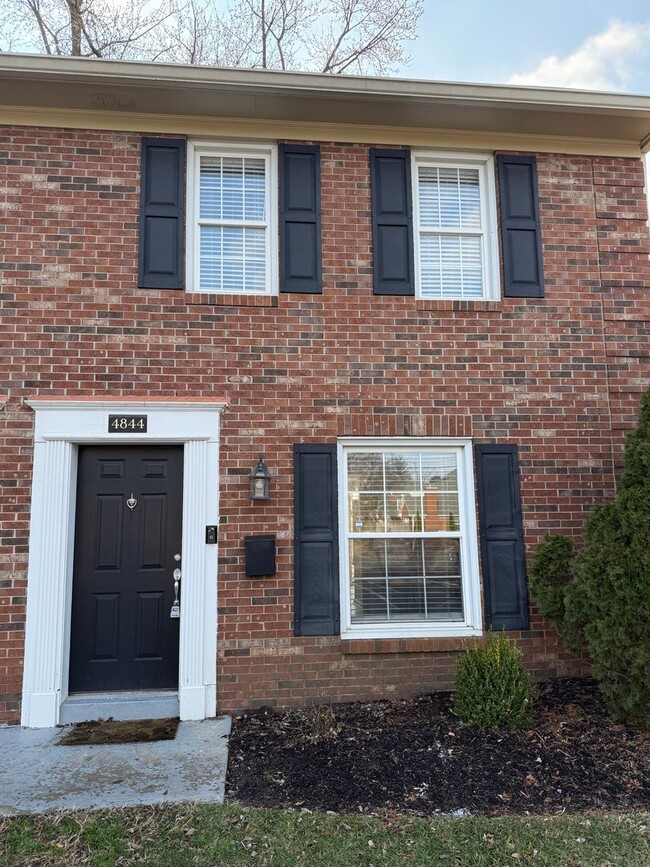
[456, 306]
[404, 645]
[210, 299]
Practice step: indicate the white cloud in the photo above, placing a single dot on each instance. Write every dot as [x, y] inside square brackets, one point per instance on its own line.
[603, 62]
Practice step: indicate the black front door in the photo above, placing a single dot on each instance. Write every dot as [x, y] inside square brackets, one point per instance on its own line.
[128, 531]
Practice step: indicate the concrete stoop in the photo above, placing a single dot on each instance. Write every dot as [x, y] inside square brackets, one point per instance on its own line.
[38, 774]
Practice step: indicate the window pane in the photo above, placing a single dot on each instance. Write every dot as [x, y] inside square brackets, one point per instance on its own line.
[210, 187]
[444, 595]
[368, 600]
[406, 599]
[255, 260]
[232, 188]
[366, 513]
[402, 471]
[449, 198]
[232, 185]
[367, 579]
[211, 252]
[404, 558]
[254, 190]
[405, 579]
[440, 483]
[404, 513]
[367, 558]
[233, 259]
[365, 471]
[451, 266]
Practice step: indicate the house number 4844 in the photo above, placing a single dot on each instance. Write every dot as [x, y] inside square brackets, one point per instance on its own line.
[127, 423]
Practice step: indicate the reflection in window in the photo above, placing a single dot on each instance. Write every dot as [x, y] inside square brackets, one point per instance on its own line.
[404, 536]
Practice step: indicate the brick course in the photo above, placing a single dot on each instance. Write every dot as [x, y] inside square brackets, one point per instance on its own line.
[559, 376]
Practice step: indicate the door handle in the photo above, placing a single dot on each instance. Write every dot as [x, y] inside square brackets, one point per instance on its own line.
[176, 608]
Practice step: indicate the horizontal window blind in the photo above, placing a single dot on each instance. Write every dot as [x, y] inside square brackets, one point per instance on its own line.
[403, 527]
[233, 226]
[449, 198]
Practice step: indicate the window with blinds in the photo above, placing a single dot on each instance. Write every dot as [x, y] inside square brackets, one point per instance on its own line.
[234, 210]
[407, 560]
[455, 227]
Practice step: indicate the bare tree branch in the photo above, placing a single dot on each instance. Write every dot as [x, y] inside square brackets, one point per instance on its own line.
[323, 35]
[43, 30]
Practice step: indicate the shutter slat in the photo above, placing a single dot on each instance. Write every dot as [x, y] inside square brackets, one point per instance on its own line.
[162, 224]
[392, 221]
[316, 599]
[520, 227]
[502, 537]
[300, 219]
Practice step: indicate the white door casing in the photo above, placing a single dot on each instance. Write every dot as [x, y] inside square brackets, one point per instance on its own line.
[61, 424]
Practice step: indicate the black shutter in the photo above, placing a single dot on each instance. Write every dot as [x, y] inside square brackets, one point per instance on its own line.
[521, 237]
[316, 560]
[502, 537]
[162, 230]
[300, 224]
[392, 222]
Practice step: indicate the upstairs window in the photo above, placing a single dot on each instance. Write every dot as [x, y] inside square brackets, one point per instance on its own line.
[456, 254]
[233, 220]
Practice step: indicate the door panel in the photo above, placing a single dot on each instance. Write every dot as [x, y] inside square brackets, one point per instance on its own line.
[151, 539]
[122, 636]
[108, 547]
[105, 625]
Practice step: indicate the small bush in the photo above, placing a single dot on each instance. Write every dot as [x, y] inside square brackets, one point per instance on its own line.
[492, 686]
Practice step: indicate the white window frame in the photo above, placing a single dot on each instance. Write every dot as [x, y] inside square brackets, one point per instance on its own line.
[269, 153]
[488, 233]
[470, 580]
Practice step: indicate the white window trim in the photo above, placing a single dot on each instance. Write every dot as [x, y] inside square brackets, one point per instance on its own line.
[269, 153]
[484, 162]
[471, 587]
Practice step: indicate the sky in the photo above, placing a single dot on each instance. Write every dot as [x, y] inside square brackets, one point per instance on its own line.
[592, 44]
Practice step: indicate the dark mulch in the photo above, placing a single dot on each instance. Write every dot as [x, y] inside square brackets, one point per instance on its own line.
[119, 732]
[417, 756]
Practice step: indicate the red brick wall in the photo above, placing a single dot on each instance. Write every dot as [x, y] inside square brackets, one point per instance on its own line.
[560, 377]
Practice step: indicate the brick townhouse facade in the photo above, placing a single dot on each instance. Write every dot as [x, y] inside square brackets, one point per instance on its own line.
[425, 306]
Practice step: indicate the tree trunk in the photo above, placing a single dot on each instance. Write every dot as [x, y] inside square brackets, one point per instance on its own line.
[75, 27]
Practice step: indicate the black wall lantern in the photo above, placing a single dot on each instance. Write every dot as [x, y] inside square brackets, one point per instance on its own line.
[260, 479]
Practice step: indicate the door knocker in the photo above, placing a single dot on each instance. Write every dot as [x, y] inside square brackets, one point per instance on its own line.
[132, 502]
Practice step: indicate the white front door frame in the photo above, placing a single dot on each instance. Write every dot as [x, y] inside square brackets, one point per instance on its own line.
[61, 425]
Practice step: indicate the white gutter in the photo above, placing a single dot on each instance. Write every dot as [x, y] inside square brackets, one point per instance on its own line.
[32, 66]
[173, 90]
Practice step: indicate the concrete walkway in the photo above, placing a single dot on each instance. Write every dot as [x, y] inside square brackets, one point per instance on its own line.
[37, 774]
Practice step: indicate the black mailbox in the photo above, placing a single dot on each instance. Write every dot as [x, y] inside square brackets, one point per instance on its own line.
[260, 556]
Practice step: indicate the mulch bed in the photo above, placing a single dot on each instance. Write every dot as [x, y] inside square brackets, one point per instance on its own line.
[120, 732]
[416, 756]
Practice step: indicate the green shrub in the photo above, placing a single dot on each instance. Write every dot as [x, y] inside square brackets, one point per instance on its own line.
[550, 574]
[610, 590]
[492, 686]
[606, 602]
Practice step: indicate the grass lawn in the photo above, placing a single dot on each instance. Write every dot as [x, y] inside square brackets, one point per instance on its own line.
[209, 836]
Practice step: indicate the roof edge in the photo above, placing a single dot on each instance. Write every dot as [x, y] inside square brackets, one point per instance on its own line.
[142, 73]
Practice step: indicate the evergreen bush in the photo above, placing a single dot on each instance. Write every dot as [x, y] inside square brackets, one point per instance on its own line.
[609, 596]
[550, 574]
[492, 686]
[607, 599]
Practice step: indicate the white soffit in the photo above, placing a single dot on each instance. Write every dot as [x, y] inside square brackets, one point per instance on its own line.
[88, 85]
